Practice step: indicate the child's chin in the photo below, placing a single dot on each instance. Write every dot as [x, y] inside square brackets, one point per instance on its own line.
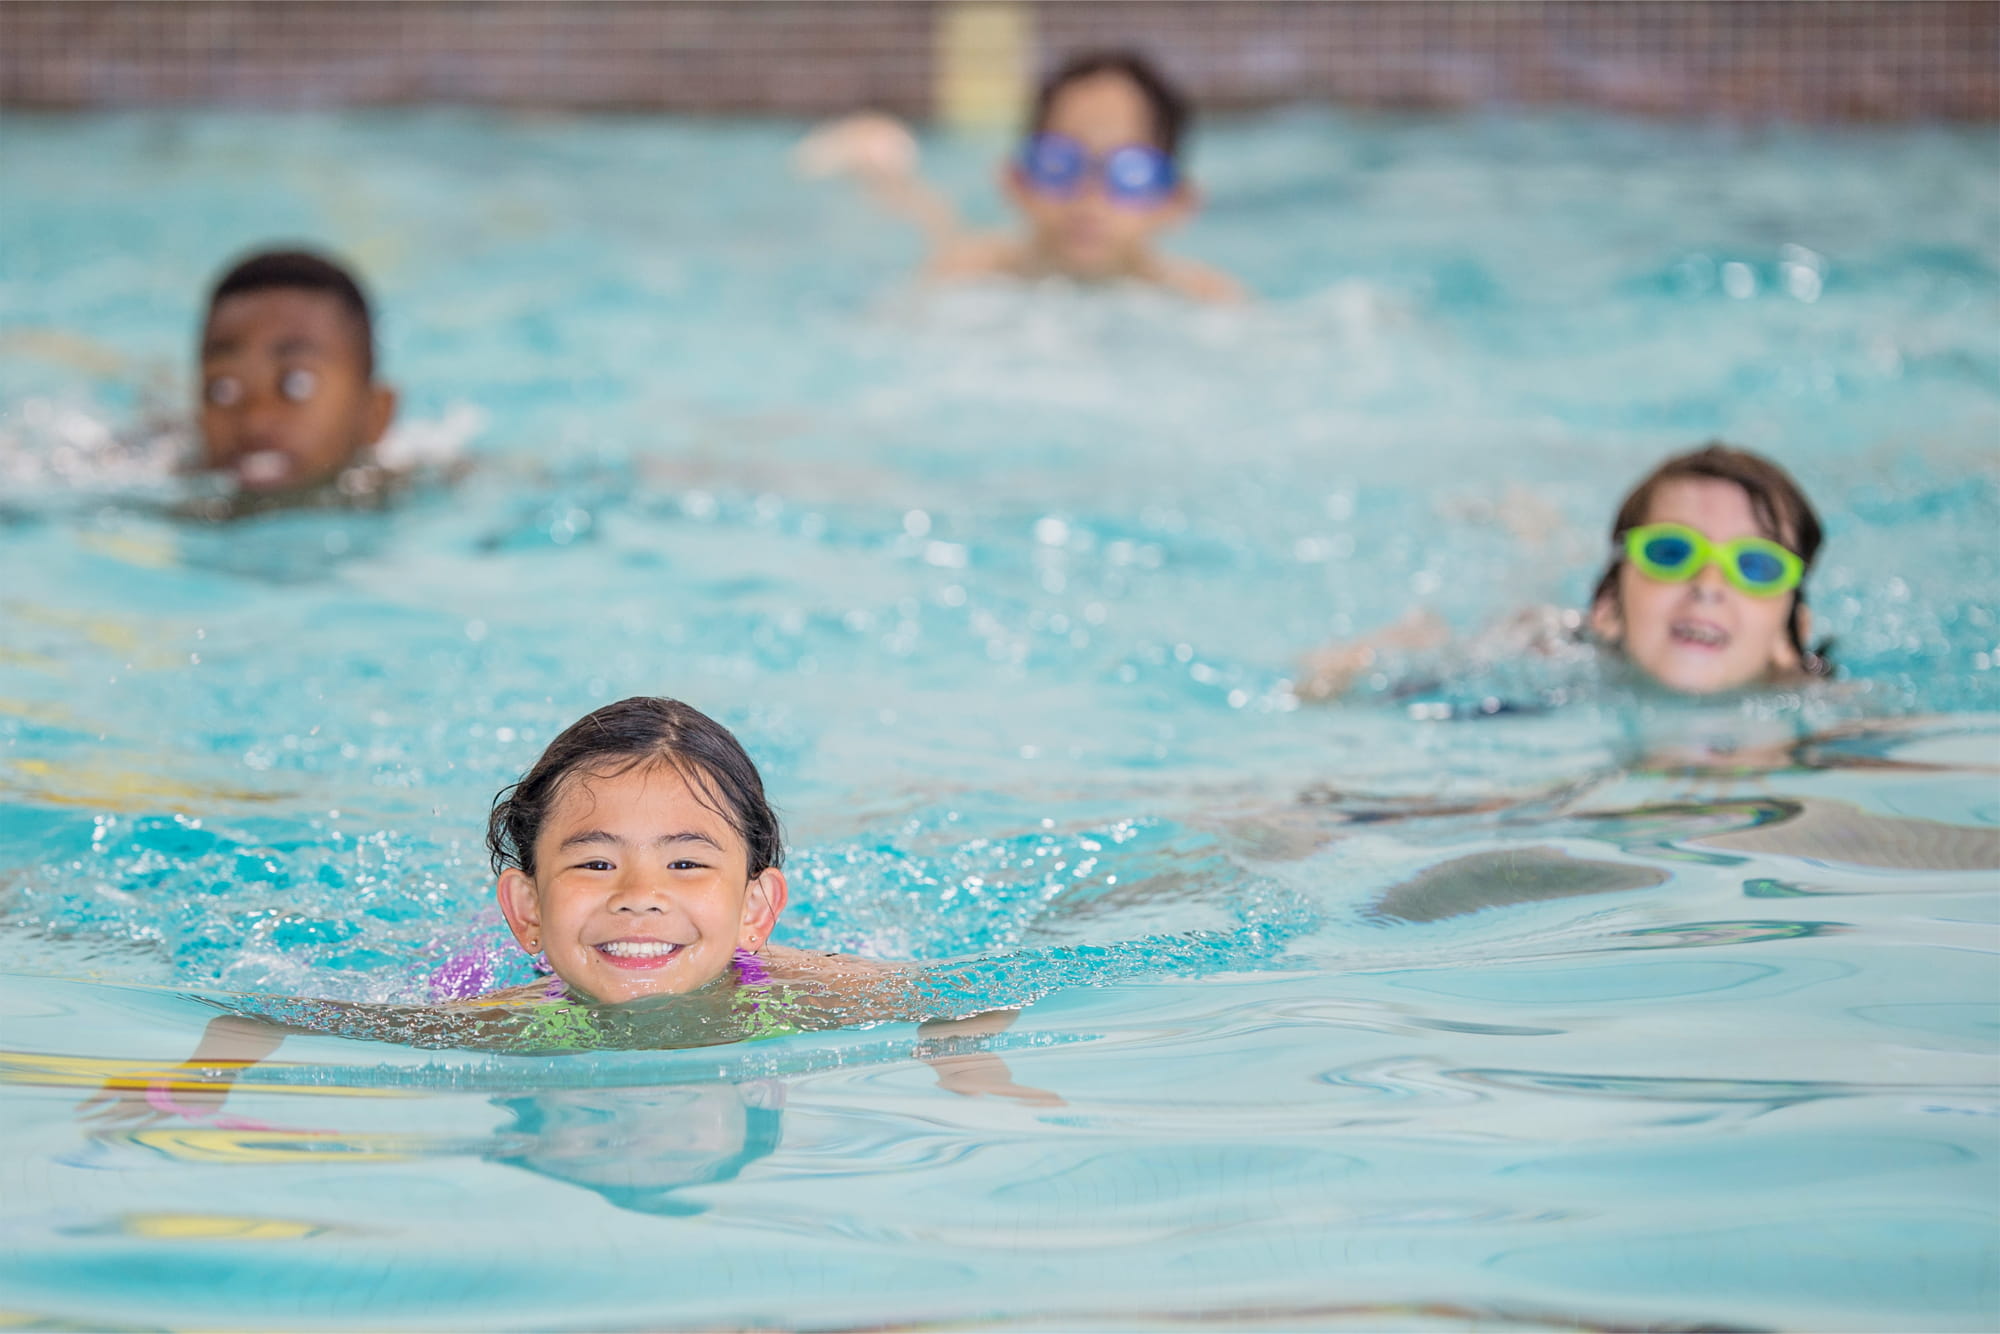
[1702, 678]
[641, 986]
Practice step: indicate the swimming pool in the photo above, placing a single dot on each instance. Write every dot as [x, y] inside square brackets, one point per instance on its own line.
[1002, 589]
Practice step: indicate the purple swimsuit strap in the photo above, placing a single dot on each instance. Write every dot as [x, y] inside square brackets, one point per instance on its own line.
[750, 969]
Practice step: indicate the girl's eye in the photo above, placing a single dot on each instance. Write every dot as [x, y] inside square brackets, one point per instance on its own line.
[224, 391]
[298, 384]
[684, 865]
[598, 864]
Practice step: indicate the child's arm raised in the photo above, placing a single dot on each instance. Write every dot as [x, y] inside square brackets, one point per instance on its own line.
[880, 153]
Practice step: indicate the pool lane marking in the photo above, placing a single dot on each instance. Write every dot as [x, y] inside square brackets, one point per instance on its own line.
[39, 1069]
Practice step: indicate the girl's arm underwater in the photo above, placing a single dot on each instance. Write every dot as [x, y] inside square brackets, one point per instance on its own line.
[197, 1087]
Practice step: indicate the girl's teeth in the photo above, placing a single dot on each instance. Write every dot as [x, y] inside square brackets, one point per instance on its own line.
[1700, 634]
[638, 949]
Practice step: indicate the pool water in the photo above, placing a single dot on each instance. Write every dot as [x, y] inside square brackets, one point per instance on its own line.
[1497, 996]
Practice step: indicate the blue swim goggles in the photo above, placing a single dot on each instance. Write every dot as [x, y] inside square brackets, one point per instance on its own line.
[1136, 175]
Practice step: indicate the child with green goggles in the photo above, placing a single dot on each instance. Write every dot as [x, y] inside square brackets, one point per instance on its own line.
[1674, 553]
[1715, 506]
[1742, 514]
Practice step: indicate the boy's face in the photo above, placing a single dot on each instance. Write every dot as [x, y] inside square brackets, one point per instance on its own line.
[1086, 234]
[285, 400]
[1703, 635]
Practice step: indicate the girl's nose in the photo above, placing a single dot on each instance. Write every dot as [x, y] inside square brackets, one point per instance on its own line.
[639, 893]
[1709, 583]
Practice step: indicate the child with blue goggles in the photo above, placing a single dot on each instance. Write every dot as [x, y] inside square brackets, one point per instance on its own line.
[1096, 183]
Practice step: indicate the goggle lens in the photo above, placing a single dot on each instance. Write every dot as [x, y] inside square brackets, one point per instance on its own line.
[1668, 551]
[1759, 567]
[1055, 164]
[1137, 172]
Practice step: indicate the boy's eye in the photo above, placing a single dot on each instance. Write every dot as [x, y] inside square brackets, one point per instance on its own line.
[298, 384]
[223, 391]
[683, 864]
[595, 864]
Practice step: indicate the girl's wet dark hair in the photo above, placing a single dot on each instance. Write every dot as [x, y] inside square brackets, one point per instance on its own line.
[618, 737]
[1168, 105]
[1782, 511]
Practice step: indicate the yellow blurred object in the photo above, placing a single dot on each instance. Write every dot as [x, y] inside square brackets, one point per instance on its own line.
[122, 789]
[65, 348]
[55, 1071]
[104, 631]
[202, 1144]
[216, 1227]
[152, 553]
[984, 56]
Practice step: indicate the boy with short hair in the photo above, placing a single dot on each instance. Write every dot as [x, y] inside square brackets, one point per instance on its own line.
[1097, 182]
[289, 400]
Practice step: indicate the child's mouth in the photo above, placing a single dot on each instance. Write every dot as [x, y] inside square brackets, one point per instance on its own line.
[1699, 634]
[639, 954]
[264, 469]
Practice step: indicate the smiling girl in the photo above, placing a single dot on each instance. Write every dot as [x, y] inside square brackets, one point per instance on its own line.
[639, 859]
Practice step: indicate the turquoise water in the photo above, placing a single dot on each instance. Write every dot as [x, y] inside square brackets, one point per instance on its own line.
[1497, 996]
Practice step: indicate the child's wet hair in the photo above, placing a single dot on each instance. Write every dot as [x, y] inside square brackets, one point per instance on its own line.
[1778, 502]
[1169, 107]
[303, 271]
[633, 732]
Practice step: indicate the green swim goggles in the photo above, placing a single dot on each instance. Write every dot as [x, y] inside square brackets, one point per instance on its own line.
[1674, 553]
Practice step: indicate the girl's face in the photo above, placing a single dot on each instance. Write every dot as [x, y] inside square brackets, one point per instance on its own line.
[639, 888]
[1701, 636]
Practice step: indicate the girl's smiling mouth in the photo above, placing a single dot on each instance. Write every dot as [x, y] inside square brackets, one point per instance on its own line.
[639, 953]
[1699, 634]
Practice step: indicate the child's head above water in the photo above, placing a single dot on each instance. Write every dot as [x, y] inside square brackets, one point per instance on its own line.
[288, 392]
[639, 853]
[1704, 589]
[1098, 178]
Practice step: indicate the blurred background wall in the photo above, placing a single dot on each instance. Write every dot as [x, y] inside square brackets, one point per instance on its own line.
[968, 62]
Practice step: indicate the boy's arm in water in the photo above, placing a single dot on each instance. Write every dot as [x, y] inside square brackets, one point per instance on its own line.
[197, 1086]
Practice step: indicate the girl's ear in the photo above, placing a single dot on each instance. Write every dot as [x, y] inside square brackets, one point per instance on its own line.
[522, 907]
[1607, 622]
[1785, 653]
[763, 901]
